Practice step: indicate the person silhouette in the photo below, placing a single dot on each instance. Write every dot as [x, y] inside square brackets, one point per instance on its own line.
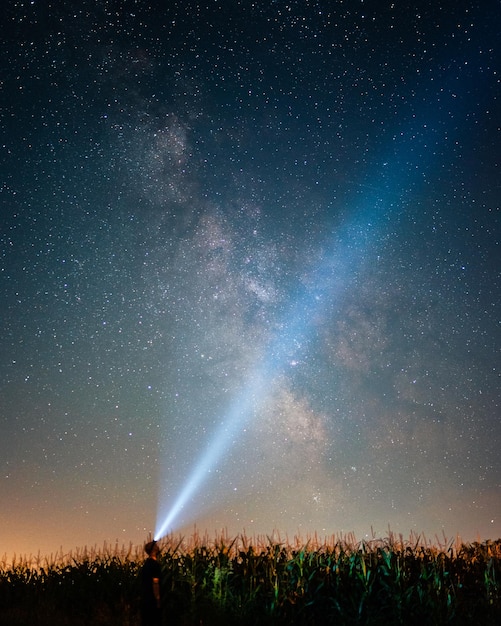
[151, 574]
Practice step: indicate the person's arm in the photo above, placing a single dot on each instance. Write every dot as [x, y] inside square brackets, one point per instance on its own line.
[156, 590]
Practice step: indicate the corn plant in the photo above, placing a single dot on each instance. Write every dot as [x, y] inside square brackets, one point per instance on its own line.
[263, 582]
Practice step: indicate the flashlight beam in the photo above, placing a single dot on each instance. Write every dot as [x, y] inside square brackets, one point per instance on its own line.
[352, 246]
[222, 438]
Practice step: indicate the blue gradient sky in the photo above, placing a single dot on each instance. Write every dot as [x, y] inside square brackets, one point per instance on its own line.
[250, 270]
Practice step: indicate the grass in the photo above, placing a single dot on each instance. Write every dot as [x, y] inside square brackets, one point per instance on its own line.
[264, 581]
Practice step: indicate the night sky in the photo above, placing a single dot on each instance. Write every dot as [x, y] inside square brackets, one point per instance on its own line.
[250, 268]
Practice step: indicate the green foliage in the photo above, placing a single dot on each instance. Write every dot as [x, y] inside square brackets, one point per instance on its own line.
[88, 588]
[262, 583]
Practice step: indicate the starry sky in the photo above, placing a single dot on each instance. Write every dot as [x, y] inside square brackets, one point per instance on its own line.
[249, 269]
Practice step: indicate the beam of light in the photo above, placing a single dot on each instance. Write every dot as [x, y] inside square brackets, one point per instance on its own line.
[354, 243]
[294, 331]
[221, 440]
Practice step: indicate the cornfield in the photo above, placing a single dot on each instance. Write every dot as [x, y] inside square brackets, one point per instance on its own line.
[227, 582]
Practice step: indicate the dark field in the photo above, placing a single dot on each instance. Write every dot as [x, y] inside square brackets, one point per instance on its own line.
[226, 582]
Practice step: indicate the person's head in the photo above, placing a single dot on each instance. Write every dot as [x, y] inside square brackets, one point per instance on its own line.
[151, 548]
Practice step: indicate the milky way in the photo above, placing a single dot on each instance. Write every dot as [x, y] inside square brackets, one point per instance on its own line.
[271, 226]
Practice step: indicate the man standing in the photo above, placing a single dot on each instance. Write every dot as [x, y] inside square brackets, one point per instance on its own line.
[150, 587]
